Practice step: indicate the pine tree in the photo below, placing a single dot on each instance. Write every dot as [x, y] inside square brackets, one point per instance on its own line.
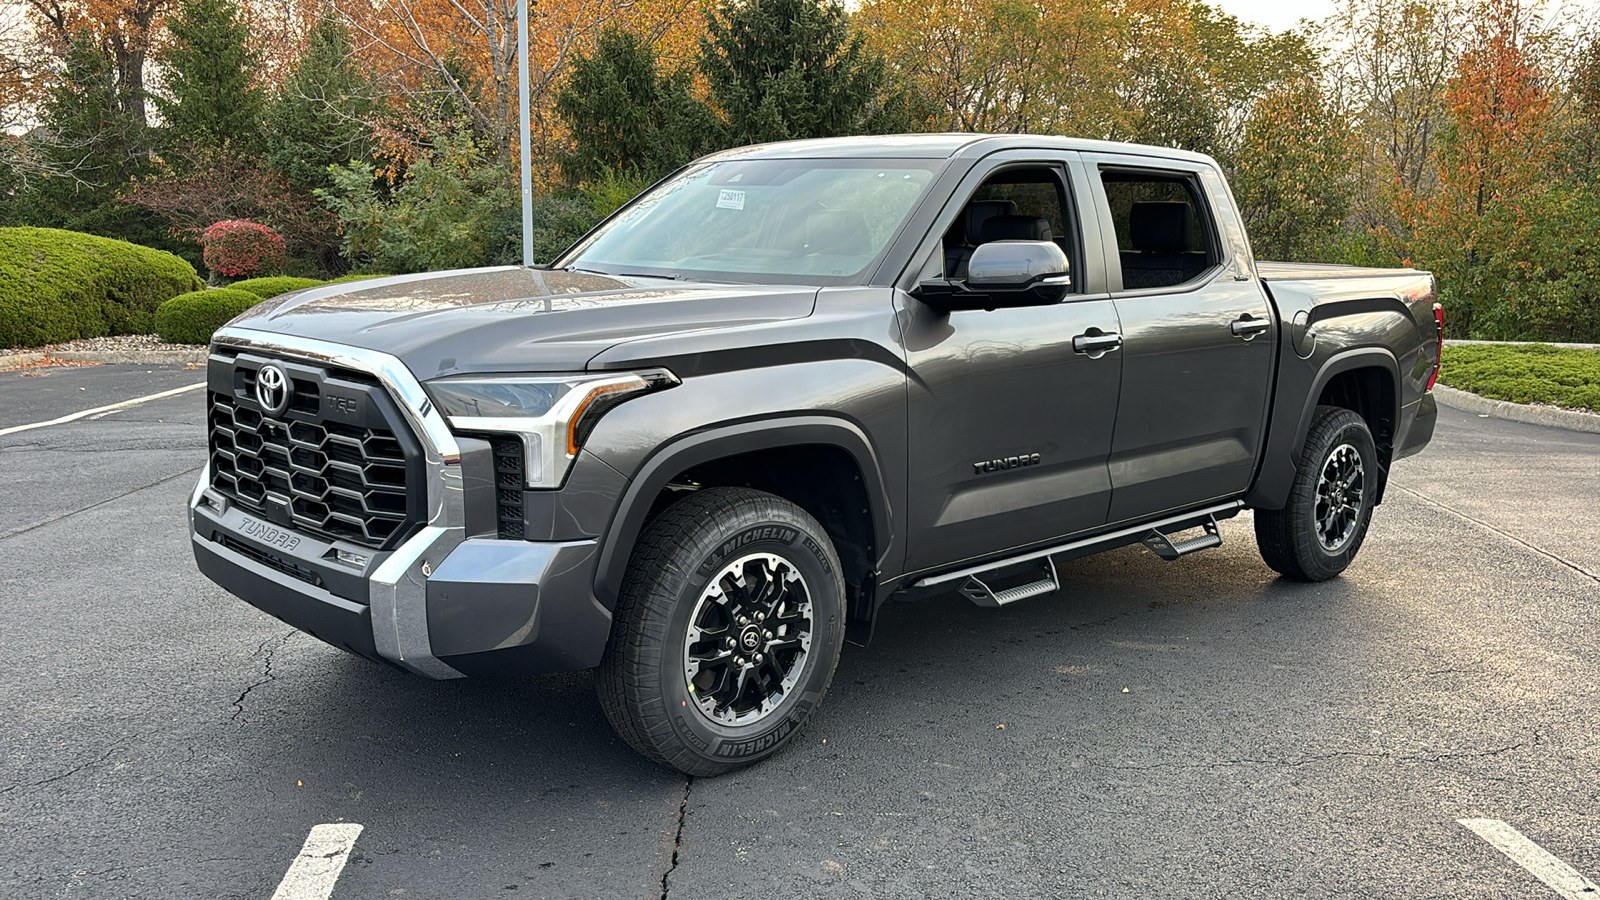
[90, 149]
[627, 118]
[785, 69]
[319, 117]
[211, 96]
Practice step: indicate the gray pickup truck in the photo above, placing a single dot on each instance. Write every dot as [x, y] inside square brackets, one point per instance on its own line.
[787, 384]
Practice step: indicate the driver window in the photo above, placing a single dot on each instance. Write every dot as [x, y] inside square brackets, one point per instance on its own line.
[1026, 204]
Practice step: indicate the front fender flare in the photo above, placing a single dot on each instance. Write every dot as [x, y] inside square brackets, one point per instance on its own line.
[700, 447]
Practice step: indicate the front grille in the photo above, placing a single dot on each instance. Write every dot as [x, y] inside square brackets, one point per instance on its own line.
[337, 480]
[508, 486]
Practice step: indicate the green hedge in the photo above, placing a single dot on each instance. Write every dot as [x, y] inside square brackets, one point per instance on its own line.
[272, 287]
[61, 285]
[348, 278]
[192, 318]
[1527, 373]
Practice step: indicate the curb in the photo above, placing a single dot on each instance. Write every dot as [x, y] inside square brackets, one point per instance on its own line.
[1552, 416]
[9, 360]
[135, 357]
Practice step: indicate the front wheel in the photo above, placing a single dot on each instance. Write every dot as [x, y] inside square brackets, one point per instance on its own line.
[1319, 532]
[726, 633]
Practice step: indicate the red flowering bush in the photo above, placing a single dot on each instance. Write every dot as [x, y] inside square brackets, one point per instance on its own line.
[237, 249]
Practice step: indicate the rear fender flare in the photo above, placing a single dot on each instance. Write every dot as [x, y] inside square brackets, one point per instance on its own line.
[1282, 455]
[705, 446]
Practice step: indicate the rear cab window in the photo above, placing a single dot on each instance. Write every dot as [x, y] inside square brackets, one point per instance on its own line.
[1166, 237]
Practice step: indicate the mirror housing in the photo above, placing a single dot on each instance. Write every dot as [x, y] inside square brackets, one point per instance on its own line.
[1003, 274]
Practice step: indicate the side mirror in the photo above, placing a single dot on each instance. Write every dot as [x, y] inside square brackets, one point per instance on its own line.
[1003, 274]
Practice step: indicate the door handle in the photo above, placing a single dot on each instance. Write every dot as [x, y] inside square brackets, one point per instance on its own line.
[1247, 326]
[1095, 343]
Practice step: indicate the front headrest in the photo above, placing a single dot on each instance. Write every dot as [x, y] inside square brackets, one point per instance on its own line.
[1016, 228]
[838, 232]
[980, 211]
[1159, 227]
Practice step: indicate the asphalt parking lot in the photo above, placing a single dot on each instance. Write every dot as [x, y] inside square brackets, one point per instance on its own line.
[1188, 729]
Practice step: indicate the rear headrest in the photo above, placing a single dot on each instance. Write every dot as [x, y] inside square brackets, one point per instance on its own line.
[1015, 228]
[838, 232]
[1159, 227]
[980, 211]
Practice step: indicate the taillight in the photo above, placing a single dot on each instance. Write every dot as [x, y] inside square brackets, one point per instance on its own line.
[1438, 360]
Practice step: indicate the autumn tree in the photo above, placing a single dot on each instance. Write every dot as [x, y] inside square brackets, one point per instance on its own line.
[125, 31]
[1294, 173]
[786, 69]
[1003, 65]
[623, 115]
[1485, 230]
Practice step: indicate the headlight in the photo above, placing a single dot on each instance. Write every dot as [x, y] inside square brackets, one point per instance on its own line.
[551, 414]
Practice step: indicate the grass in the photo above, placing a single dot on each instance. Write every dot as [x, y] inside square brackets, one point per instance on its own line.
[1532, 373]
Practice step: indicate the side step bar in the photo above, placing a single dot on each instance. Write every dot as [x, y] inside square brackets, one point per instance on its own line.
[1163, 546]
[1136, 534]
[975, 590]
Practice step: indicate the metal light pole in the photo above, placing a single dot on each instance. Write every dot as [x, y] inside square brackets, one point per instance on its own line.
[526, 137]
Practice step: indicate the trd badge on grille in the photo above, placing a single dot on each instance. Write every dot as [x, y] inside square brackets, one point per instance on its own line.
[272, 390]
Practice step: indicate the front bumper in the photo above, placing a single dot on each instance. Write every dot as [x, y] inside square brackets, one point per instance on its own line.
[489, 607]
[442, 604]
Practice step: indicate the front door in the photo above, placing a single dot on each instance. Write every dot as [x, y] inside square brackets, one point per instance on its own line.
[1009, 426]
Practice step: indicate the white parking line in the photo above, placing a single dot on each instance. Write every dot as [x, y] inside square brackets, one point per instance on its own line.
[100, 410]
[320, 861]
[1561, 878]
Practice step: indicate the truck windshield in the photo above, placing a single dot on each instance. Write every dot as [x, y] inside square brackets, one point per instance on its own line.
[823, 220]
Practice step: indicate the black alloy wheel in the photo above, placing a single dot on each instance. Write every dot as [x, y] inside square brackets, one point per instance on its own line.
[726, 632]
[1317, 534]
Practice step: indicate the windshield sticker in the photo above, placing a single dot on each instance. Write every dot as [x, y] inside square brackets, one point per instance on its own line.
[730, 200]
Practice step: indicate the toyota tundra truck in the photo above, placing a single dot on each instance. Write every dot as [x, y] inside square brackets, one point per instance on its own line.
[785, 385]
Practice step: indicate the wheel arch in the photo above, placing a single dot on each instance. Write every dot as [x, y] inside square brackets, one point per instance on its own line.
[1365, 380]
[824, 464]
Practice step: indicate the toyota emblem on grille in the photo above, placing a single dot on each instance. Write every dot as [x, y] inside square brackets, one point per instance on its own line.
[272, 390]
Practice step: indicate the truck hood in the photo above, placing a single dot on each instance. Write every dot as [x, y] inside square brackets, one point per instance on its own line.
[512, 319]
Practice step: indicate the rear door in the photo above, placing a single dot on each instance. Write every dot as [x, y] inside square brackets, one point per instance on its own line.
[1009, 427]
[1199, 336]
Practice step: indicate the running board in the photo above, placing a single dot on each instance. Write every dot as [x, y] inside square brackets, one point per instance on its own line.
[978, 592]
[1093, 544]
[1164, 547]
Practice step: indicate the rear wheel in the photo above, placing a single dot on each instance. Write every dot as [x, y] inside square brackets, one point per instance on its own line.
[726, 633]
[1319, 532]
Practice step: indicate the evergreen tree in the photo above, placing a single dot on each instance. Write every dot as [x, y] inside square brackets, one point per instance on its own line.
[784, 69]
[319, 118]
[625, 117]
[89, 149]
[211, 96]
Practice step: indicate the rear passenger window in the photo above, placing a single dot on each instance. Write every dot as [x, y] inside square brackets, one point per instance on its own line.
[1163, 234]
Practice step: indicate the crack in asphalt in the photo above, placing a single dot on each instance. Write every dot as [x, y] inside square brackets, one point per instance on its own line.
[677, 836]
[27, 528]
[1505, 534]
[70, 772]
[1343, 754]
[267, 648]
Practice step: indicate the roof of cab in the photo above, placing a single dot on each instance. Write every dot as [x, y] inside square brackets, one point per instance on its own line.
[939, 146]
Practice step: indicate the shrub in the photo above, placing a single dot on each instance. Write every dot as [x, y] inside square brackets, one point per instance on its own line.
[272, 287]
[344, 279]
[192, 318]
[61, 285]
[235, 248]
